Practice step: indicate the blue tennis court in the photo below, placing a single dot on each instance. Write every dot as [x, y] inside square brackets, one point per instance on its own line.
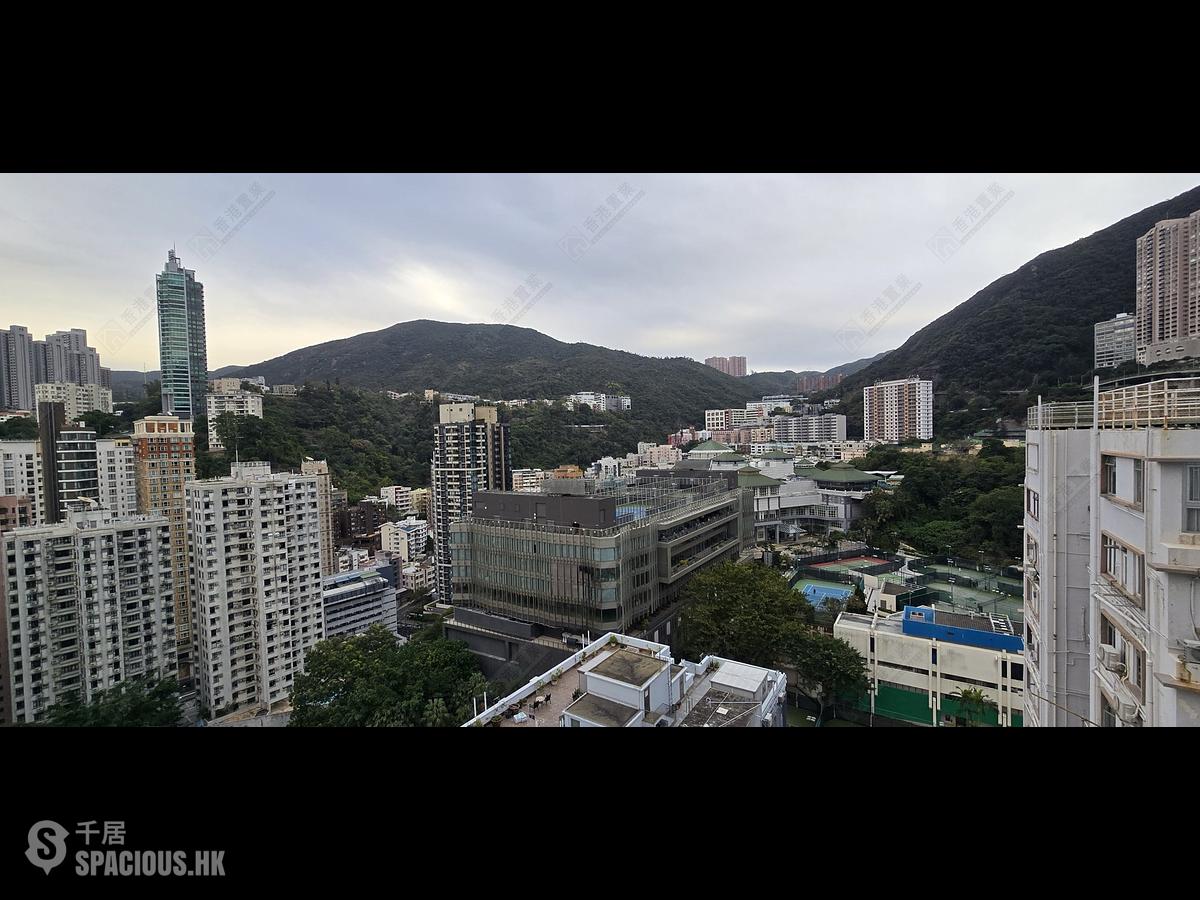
[817, 594]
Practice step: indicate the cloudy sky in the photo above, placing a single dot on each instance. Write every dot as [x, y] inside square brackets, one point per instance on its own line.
[787, 270]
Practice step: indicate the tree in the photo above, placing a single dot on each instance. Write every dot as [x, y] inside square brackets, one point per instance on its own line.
[857, 602]
[973, 706]
[19, 428]
[370, 680]
[828, 670]
[740, 612]
[135, 702]
[834, 606]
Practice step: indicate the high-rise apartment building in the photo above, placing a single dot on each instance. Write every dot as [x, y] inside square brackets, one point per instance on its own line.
[116, 475]
[77, 399]
[63, 358]
[70, 469]
[818, 382]
[254, 548]
[182, 345]
[1115, 341]
[320, 468]
[896, 411]
[89, 603]
[809, 429]
[1112, 537]
[234, 403]
[16, 368]
[470, 453]
[164, 453]
[1167, 290]
[69, 360]
[730, 365]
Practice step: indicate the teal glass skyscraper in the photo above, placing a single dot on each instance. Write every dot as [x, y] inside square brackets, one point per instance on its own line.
[182, 347]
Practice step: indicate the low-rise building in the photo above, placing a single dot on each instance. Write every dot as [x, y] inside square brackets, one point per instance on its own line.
[618, 681]
[398, 496]
[354, 601]
[596, 557]
[528, 481]
[406, 539]
[921, 660]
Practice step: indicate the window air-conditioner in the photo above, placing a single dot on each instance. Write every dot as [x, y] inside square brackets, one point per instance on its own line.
[1111, 658]
[1127, 712]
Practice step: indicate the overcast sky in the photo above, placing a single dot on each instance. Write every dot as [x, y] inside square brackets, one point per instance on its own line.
[782, 269]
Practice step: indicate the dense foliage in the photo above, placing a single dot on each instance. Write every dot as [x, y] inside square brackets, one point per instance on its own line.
[131, 703]
[741, 612]
[969, 504]
[19, 429]
[370, 680]
[749, 613]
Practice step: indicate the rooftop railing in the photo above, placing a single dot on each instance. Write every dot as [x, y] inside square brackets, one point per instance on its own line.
[1167, 402]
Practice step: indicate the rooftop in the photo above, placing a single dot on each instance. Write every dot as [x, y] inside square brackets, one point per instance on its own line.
[846, 476]
[607, 713]
[711, 447]
[718, 709]
[629, 666]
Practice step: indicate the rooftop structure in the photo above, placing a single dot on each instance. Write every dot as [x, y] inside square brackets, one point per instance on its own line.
[618, 681]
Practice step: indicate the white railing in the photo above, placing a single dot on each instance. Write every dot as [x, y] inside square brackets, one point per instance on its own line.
[1167, 402]
[1170, 402]
[1060, 415]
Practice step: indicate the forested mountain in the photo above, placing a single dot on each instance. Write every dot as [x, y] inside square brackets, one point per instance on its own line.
[1024, 331]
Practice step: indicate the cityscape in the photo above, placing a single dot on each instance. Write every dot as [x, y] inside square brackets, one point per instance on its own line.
[982, 514]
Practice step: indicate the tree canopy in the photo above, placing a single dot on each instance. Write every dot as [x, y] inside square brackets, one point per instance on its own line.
[371, 680]
[131, 703]
[740, 612]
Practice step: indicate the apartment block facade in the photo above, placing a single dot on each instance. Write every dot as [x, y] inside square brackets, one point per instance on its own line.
[77, 399]
[470, 453]
[320, 468]
[1143, 539]
[1115, 341]
[1167, 290]
[89, 602]
[895, 411]
[164, 455]
[254, 541]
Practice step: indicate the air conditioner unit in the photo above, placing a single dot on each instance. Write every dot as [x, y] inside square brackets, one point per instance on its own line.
[1127, 712]
[1192, 651]
[1111, 658]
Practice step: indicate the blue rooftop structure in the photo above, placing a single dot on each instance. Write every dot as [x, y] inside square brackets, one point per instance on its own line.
[989, 631]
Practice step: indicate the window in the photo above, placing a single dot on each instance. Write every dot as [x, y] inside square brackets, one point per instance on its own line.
[1125, 567]
[1139, 481]
[1108, 475]
[1108, 715]
[1135, 672]
[1031, 502]
[1191, 500]
[1108, 634]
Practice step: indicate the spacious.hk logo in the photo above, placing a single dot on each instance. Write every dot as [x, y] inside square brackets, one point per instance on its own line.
[48, 848]
[47, 845]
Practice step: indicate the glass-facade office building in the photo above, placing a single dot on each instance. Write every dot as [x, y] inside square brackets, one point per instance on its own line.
[182, 346]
